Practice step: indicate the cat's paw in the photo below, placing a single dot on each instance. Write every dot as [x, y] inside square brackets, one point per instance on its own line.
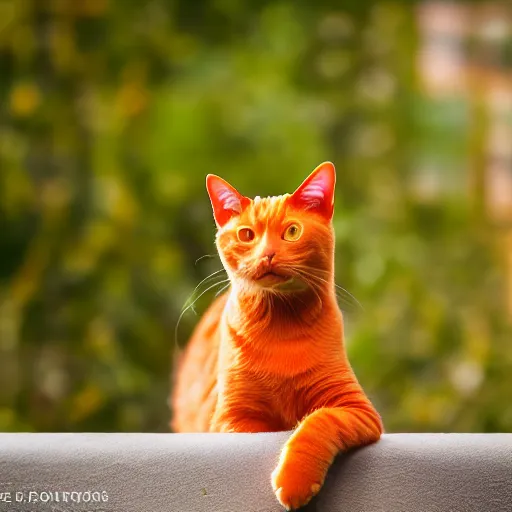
[294, 485]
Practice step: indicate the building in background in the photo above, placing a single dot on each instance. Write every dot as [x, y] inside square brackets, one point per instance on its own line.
[466, 55]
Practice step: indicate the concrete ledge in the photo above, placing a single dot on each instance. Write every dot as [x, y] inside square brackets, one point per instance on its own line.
[231, 472]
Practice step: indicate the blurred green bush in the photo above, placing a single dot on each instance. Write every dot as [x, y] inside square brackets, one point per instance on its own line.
[112, 113]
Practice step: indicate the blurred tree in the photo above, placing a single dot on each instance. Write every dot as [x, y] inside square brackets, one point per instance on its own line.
[112, 113]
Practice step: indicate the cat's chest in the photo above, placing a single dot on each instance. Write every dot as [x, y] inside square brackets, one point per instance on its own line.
[288, 402]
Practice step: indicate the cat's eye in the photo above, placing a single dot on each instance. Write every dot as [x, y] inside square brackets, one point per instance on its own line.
[293, 232]
[245, 234]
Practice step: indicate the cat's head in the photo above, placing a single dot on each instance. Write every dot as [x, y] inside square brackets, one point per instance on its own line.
[282, 243]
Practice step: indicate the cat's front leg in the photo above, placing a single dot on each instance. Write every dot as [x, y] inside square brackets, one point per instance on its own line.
[311, 449]
[239, 424]
[239, 412]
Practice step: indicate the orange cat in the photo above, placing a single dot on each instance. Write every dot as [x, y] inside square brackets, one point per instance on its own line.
[269, 354]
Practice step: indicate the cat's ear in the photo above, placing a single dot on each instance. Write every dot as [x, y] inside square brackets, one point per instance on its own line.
[226, 200]
[317, 191]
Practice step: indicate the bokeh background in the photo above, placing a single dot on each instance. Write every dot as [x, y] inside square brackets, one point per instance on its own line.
[112, 113]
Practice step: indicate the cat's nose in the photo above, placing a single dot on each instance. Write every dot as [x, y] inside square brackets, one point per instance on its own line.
[269, 256]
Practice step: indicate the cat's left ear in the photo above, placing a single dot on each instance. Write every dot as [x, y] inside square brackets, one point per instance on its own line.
[317, 191]
[226, 200]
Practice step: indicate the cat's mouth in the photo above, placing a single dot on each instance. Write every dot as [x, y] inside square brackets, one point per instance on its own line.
[283, 283]
[271, 278]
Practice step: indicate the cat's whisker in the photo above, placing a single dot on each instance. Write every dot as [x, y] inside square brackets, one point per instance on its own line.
[207, 278]
[317, 295]
[191, 306]
[349, 295]
[205, 256]
[312, 284]
[339, 289]
[213, 275]
[203, 292]
[344, 290]
[224, 288]
[319, 282]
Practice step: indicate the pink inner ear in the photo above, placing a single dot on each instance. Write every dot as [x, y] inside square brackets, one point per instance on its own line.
[229, 200]
[317, 191]
[226, 200]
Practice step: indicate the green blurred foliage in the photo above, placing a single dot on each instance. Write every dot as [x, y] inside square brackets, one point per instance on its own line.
[112, 113]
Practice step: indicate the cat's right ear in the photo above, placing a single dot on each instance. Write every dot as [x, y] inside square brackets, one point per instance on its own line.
[226, 200]
[316, 193]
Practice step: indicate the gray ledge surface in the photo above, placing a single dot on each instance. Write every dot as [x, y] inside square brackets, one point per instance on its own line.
[231, 472]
